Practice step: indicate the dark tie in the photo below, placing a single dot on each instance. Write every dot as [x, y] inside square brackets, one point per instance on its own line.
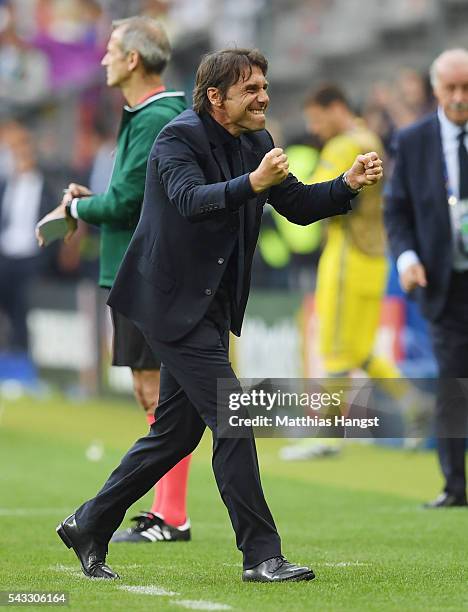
[463, 163]
[238, 170]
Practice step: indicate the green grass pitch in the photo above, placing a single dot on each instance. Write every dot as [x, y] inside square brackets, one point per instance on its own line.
[356, 519]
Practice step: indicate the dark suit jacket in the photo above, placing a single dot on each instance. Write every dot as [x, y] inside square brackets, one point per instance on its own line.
[416, 210]
[188, 227]
[48, 199]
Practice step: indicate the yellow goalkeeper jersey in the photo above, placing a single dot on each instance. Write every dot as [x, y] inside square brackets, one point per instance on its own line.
[364, 225]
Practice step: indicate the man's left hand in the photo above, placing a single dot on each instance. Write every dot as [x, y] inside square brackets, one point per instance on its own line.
[59, 213]
[366, 170]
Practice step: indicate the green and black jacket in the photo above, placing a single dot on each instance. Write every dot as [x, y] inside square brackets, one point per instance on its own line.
[117, 211]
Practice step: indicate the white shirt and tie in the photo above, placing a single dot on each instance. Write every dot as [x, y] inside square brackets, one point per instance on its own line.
[19, 215]
[450, 142]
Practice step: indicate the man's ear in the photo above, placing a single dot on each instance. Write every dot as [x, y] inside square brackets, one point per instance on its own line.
[214, 96]
[132, 60]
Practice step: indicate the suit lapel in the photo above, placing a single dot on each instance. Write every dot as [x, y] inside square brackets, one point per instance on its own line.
[2, 193]
[437, 173]
[247, 214]
[252, 158]
[217, 148]
[220, 157]
[434, 152]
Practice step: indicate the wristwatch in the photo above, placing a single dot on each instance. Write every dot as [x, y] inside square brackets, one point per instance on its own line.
[71, 209]
[344, 178]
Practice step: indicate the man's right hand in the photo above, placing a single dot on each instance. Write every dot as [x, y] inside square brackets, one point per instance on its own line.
[273, 169]
[413, 276]
[78, 191]
[74, 191]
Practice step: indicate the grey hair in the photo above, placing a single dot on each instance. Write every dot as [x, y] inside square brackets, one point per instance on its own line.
[449, 54]
[148, 38]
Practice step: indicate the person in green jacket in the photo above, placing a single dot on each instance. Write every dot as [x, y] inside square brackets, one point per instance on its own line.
[137, 53]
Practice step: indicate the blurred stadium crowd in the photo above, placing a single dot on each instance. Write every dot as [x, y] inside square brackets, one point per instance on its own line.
[59, 120]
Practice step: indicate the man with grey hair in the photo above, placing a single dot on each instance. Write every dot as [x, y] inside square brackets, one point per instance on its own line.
[426, 216]
[137, 54]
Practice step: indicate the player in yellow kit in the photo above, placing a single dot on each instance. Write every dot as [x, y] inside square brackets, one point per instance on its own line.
[352, 271]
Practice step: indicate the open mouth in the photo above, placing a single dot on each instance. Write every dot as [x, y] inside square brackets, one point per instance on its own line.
[260, 112]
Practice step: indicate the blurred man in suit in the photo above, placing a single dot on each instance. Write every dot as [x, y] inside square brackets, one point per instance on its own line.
[25, 195]
[185, 281]
[426, 215]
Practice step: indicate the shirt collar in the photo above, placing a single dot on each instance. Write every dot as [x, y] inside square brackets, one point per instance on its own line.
[151, 93]
[220, 133]
[153, 97]
[448, 129]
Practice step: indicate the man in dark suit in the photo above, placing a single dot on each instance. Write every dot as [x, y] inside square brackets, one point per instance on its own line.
[426, 217]
[185, 281]
[25, 195]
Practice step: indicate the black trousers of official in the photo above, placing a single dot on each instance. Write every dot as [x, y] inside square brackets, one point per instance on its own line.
[15, 278]
[187, 404]
[450, 341]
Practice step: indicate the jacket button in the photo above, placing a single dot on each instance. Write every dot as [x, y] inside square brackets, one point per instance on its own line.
[208, 292]
[221, 260]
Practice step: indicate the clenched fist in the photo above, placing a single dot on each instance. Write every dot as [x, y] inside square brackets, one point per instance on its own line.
[366, 170]
[273, 169]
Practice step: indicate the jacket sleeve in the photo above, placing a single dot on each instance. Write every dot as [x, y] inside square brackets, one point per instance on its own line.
[305, 204]
[179, 168]
[398, 211]
[120, 206]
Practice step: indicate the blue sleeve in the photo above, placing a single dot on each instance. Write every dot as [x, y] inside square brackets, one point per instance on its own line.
[305, 204]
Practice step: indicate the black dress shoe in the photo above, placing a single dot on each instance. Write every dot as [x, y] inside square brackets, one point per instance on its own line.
[92, 555]
[446, 500]
[277, 569]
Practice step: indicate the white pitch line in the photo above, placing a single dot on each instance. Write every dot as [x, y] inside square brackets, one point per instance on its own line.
[195, 604]
[344, 564]
[66, 569]
[148, 590]
[32, 511]
[155, 591]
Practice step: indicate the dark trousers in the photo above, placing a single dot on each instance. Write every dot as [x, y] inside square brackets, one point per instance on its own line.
[450, 340]
[15, 277]
[187, 404]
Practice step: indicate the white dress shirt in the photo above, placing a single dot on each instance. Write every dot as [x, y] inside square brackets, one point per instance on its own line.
[20, 212]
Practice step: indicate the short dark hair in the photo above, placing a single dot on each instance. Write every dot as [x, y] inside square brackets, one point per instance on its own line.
[223, 69]
[148, 38]
[325, 95]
